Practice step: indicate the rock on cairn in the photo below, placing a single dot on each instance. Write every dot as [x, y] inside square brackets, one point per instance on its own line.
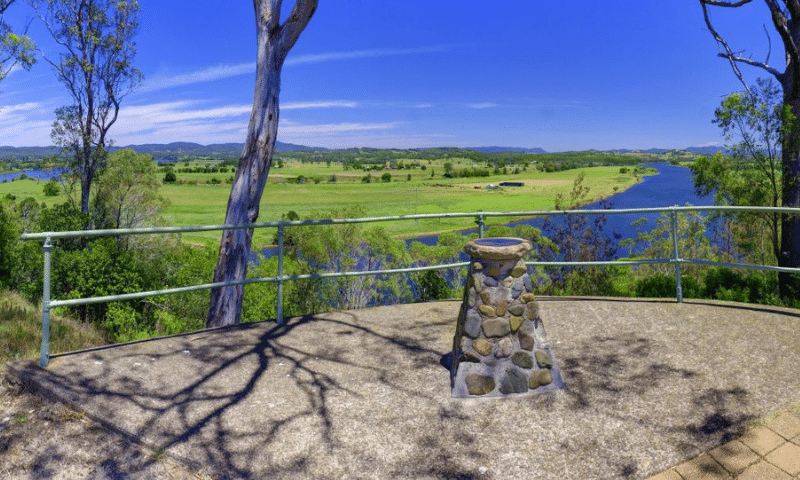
[500, 346]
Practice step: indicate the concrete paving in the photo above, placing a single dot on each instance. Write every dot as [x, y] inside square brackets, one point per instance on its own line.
[651, 386]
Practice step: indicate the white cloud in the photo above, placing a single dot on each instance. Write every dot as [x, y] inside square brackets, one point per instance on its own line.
[25, 124]
[331, 128]
[356, 54]
[7, 110]
[205, 75]
[186, 120]
[208, 74]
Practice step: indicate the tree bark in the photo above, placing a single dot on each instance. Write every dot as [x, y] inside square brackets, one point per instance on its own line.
[274, 43]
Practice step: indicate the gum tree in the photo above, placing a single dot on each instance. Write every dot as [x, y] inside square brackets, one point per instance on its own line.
[785, 18]
[96, 66]
[274, 42]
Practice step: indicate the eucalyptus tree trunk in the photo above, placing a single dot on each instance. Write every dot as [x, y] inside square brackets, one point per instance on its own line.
[274, 42]
[785, 16]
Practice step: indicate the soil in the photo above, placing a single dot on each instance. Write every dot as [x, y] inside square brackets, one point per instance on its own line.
[47, 439]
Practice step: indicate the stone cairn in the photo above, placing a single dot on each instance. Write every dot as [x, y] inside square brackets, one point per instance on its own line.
[500, 346]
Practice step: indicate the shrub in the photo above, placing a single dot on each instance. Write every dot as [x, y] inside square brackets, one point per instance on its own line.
[9, 233]
[431, 285]
[51, 189]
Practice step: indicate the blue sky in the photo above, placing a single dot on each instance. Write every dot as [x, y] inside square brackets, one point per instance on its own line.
[416, 73]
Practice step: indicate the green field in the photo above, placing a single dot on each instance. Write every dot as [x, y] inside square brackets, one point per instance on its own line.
[194, 200]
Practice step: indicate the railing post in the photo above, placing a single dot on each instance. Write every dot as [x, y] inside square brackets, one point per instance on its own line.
[676, 255]
[480, 223]
[45, 354]
[279, 306]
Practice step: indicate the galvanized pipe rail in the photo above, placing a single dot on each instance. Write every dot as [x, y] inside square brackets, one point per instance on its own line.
[280, 278]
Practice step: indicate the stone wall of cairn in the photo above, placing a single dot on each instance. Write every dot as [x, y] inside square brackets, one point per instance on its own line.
[500, 346]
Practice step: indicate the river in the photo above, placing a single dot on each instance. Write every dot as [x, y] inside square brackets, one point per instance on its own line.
[672, 185]
[37, 174]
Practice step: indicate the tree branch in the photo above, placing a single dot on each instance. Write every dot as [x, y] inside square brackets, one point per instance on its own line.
[718, 3]
[720, 41]
[750, 61]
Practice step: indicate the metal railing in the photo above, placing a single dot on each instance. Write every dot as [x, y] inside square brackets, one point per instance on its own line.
[280, 278]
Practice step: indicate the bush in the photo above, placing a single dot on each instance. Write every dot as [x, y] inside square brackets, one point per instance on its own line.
[386, 177]
[431, 285]
[170, 177]
[656, 286]
[51, 189]
[9, 233]
[748, 287]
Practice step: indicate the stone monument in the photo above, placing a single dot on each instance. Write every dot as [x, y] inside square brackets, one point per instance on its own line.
[500, 347]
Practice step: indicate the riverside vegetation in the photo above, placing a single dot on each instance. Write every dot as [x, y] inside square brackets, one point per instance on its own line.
[134, 191]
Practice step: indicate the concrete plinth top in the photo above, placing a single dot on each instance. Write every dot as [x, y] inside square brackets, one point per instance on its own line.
[499, 248]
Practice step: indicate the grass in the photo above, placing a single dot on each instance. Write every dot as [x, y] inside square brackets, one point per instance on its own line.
[204, 204]
[195, 201]
[21, 330]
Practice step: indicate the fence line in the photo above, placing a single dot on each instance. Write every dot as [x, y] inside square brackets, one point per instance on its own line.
[280, 278]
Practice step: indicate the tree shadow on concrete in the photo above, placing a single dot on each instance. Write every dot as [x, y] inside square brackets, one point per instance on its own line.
[229, 368]
[607, 372]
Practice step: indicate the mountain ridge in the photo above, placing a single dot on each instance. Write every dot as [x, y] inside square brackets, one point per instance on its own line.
[235, 149]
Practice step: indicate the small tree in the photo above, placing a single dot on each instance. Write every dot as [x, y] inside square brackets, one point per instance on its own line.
[753, 175]
[96, 67]
[127, 191]
[170, 176]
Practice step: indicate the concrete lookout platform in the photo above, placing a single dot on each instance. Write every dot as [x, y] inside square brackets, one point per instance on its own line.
[363, 394]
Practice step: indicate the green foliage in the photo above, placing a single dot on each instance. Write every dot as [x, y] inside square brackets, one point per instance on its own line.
[127, 191]
[752, 176]
[15, 49]
[731, 285]
[344, 247]
[431, 285]
[386, 177]
[657, 243]
[51, 189]
[9, 255]
[185, 266]
[170, 176]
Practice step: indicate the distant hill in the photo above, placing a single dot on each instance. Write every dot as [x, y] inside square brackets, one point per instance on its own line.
[233, 150]
[157, 150]
[708, 150]
[215, 150]
[495, 149]
[712, 150]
